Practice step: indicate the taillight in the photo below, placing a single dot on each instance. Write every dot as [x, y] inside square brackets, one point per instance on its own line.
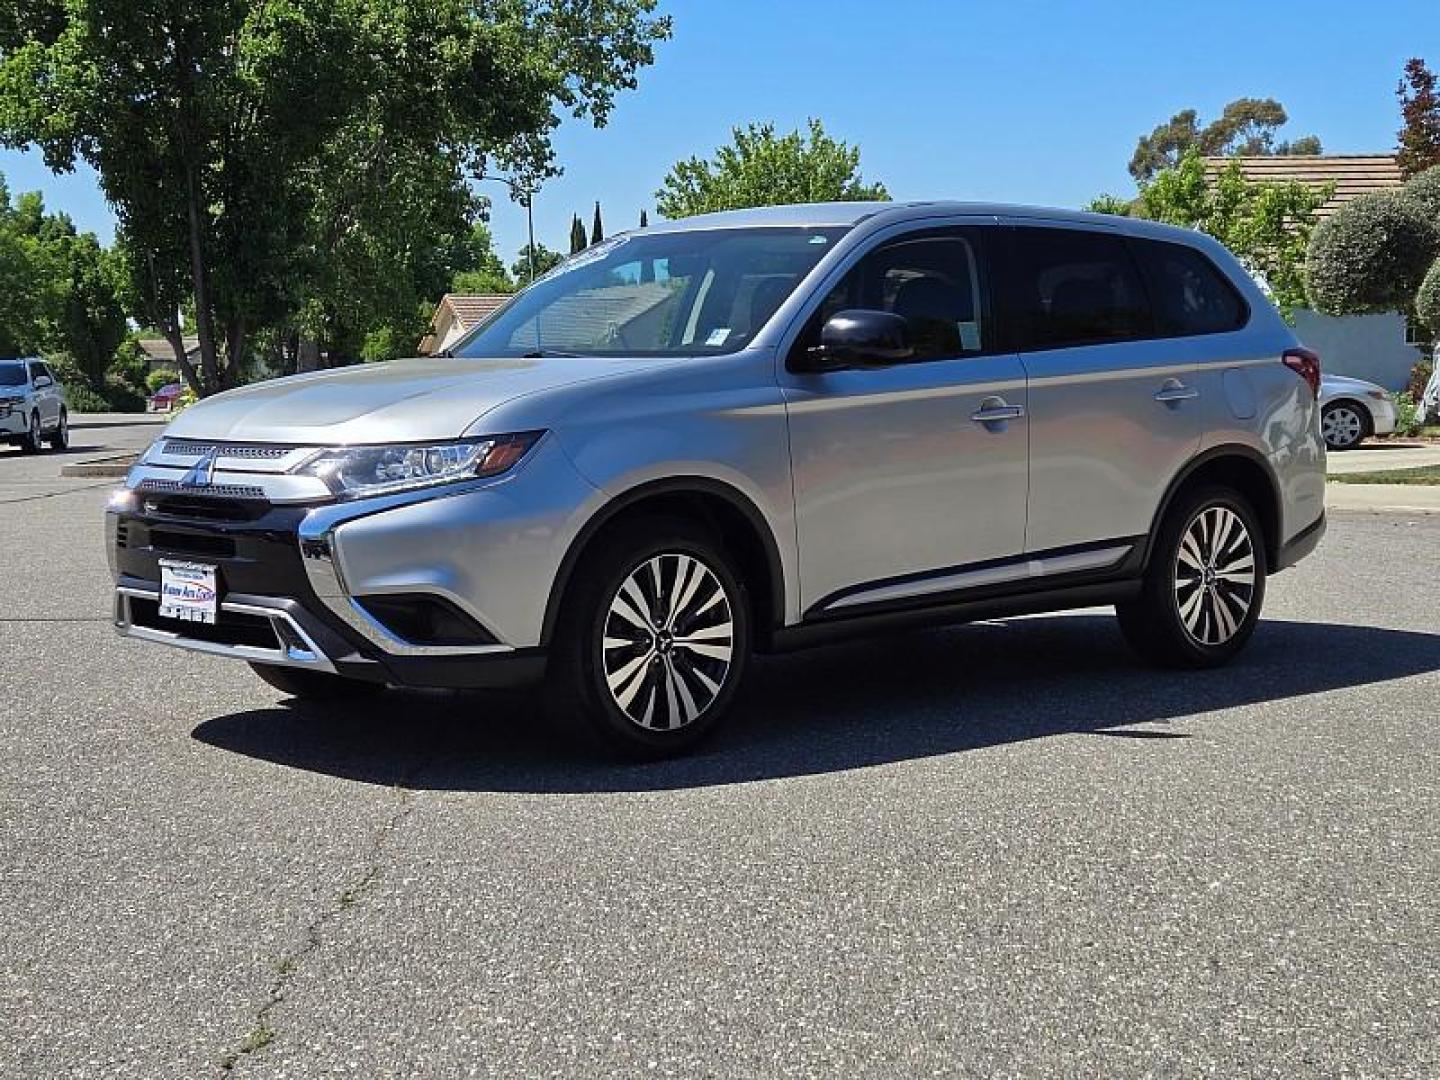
[1306, 364]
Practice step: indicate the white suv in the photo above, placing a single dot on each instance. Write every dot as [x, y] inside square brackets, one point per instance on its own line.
[32, 406]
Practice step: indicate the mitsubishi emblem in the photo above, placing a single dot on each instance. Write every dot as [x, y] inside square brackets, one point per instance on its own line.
[203, 471]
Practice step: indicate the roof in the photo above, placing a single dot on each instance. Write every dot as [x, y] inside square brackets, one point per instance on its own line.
[853, 213]
[1352, 174]
[158, 350]
[456, 313]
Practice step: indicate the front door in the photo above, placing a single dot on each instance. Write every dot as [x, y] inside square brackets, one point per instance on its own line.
[917, 469]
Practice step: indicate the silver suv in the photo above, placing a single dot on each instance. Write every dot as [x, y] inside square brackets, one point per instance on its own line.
[750, 431]
[33, 410]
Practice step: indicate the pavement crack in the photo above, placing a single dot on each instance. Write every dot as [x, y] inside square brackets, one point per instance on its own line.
[262, 1032]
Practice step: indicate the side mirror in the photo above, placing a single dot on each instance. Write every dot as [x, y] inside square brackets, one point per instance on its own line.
[862, 338]
[42, 381]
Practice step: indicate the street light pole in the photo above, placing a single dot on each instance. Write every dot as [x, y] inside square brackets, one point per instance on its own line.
[527, 196]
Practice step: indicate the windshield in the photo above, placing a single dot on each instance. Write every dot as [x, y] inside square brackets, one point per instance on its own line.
[12, 375]
[695, 293]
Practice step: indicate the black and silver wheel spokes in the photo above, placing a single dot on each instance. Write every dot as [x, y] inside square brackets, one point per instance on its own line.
[668, 641]
[1215, 575]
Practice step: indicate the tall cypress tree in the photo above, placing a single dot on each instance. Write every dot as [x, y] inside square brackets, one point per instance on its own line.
[577, 235]
[597, 230]
[644, 219]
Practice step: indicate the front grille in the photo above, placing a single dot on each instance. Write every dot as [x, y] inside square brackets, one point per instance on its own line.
[122, 535]
[198, 508]
[180, 543]
[190, 448]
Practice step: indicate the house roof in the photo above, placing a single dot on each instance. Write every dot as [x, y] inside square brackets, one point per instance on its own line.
[456, 313]
[1352, 174]
[158, 350]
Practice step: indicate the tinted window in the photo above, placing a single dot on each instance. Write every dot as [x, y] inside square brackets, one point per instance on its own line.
[934, 281]
[1070, 287]
[12, 374]
[37, 370]
[1189, 294]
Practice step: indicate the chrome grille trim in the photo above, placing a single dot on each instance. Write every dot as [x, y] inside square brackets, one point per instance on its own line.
[192, 448]
[213, 491]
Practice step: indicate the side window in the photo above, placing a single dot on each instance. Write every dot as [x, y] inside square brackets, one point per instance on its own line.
[1074, 287]
[40, 370]
[933, 280]
[1191, 296]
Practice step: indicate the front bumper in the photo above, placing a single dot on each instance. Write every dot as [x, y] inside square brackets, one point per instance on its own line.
[282, 600]
[13, 422]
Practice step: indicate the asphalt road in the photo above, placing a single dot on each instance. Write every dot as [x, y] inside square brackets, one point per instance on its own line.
[1005, 849]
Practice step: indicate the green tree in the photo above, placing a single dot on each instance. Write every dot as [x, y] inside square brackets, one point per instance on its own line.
[644, 220]
[545, 261]
[1246, 126]
[1267, 226]
[760, 169]
[212, 127]
[481, 269]
[27, 293]
[1109, 204]
[597, 228]
[1419, 146]
[90, 323]
[578, 240]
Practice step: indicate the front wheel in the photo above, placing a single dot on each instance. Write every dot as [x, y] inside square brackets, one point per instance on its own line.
[654, 641]
[1204, 586]
[32, 441]
[313, 685]
[60, 439]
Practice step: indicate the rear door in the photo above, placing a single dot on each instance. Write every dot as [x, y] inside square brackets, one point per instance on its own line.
[913, 469]
[1114, 407]
[47, 394]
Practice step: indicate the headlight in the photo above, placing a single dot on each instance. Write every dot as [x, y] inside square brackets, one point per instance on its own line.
[351, 472]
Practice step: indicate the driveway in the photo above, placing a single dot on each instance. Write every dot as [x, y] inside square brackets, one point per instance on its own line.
[1000, 849]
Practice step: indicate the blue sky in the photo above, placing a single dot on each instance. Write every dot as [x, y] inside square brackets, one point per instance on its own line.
[1018, 101]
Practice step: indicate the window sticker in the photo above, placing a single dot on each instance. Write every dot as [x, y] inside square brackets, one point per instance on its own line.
[969, 336]
[819, 240]
[718, 336]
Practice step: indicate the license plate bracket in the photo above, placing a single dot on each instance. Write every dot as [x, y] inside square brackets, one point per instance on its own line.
[189, 591]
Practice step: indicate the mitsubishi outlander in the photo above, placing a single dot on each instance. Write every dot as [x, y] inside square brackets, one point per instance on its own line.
[748, 432]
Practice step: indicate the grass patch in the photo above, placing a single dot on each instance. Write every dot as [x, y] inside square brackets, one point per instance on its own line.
[1422, 474]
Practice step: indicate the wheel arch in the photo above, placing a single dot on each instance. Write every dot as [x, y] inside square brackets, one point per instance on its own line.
[1241, 468]
[736, 520]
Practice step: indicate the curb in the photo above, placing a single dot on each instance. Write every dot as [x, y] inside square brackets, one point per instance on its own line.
[111, 467]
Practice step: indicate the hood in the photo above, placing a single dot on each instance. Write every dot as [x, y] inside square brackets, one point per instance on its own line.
[402, 401]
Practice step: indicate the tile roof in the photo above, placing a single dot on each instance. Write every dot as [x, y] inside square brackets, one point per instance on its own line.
[158, 350]
[471, 308]
[1352, 174]
[456, 313]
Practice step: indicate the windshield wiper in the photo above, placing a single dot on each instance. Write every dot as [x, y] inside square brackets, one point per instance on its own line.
[540, 354]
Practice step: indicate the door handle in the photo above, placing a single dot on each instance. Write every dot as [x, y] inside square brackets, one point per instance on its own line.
[994, 410]
[1175, 390]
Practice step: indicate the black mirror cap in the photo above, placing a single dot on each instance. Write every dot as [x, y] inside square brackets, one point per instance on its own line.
[860, 337]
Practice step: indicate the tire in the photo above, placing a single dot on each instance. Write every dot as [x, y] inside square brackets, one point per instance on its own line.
[32, 441]
[314, 685]
[1344, 425]
[640, 690]
[60, 439]
[1199, 605]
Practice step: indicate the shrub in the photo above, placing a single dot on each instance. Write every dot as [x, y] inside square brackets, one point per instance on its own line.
[1371, 255]
[82, 399]
[130, 365]
[1420, 378]
[121, 396]
[160, 377]
[1424, 188]
[1408, 420]
[1427, 298]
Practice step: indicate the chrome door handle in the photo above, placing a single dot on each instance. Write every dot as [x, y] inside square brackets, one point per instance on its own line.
[1175, 390]
[995, 410]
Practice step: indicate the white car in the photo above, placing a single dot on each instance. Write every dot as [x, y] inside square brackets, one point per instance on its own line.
[33, 410]
[1352, 410]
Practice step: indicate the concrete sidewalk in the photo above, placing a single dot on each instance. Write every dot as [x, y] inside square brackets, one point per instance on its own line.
[1377, 457]
[1391, 498]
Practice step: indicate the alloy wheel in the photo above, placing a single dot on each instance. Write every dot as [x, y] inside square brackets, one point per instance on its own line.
[668, 641]
[1341, 426]
[1215, 575]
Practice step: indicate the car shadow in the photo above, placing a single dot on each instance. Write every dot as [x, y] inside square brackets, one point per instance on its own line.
[863, 703]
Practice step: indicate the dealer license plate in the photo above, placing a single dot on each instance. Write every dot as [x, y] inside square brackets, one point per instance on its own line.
[187, 592]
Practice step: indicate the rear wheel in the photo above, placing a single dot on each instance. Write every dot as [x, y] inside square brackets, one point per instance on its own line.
[313, 685]
[1343, 425]
[1204, 586]
[653, 642]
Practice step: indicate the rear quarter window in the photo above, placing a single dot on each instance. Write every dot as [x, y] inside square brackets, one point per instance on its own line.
[1189, 293]
[1070, 287]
